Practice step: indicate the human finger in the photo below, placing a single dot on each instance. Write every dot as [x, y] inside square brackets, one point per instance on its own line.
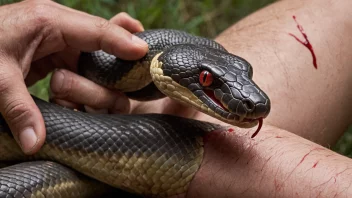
[69, 86]
[88, 33]
[19, 110]
[127, 22]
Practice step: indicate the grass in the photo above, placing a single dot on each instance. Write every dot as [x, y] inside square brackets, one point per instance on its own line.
[206, 18]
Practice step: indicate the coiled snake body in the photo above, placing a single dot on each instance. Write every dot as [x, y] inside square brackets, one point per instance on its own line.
[152, 154]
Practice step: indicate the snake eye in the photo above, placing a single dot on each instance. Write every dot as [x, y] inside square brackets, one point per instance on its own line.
[205, 78]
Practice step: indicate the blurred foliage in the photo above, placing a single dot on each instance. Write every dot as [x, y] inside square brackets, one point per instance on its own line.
[205, 18]
[344, 145]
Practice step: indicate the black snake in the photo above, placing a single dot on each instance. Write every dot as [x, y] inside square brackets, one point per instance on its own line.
[151, 154]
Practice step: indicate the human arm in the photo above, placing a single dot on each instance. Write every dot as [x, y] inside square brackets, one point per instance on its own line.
[38, 36]
[276, 163]
[313, 103]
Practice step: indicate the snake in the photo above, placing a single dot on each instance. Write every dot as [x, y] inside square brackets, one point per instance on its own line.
[154, 155]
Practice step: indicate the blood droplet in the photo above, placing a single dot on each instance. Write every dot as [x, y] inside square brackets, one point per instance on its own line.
[306, 42]
[230, 130]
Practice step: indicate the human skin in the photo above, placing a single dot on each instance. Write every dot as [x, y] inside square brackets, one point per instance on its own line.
[276, 163]
[37, 36]
[312, 103]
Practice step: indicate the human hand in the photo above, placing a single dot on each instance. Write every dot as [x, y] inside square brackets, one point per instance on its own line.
[81, 91]
[38, 36]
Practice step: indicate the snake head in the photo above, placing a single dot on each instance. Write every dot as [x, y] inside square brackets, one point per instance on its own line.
[229, 86]
[214, 81]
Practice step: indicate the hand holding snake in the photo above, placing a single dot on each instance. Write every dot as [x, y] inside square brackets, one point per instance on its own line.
[41, 36]
[155, 155]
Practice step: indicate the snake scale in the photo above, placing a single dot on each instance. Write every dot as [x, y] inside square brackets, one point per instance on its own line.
[153, 155]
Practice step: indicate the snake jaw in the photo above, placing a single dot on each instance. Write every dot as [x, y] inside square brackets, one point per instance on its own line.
[216, 100]
[221, 104]
[196, 98]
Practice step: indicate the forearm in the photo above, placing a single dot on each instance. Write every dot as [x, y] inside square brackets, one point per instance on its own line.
[313, 103]
[275, 163]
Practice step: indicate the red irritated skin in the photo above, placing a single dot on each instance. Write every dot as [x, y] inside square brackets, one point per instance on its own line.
[274, 164]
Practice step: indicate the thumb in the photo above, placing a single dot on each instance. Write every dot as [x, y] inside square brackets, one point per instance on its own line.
[19, 110]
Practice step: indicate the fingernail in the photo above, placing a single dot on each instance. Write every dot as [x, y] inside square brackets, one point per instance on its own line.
[139, 41]
[57, 83]
[28, 139]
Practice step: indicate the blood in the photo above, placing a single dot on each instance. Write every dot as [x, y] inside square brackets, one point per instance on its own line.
[260, 124]
[306, 43]
[209, 136]
[315, 164]
[230, 130]
[303, 158]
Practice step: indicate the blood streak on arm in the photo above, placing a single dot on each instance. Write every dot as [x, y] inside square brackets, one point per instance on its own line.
[306, 42]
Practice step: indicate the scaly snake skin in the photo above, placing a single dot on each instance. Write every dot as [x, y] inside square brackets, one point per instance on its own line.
[44, 179]
[151, 154]
[144, 154]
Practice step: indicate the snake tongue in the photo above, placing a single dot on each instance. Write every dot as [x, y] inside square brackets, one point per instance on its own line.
[260, 124]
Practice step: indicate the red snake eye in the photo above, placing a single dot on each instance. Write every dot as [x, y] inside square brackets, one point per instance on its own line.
[205, 78]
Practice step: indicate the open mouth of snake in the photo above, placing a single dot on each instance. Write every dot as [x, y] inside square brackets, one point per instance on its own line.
[219, 104]
[211, 95]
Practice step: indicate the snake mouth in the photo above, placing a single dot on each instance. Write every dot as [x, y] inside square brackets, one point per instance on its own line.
[220, 104]
[211, 95]
[222, 109]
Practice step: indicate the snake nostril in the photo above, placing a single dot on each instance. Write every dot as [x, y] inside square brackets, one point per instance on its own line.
[248, 105]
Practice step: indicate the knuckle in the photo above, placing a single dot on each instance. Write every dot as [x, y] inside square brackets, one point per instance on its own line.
[16, 111]
[6, 79]
[122, 15]
[40, 12]
[4, 83]
[102, 23]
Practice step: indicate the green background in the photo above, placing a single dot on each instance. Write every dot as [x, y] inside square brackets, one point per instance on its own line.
[205, 18]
